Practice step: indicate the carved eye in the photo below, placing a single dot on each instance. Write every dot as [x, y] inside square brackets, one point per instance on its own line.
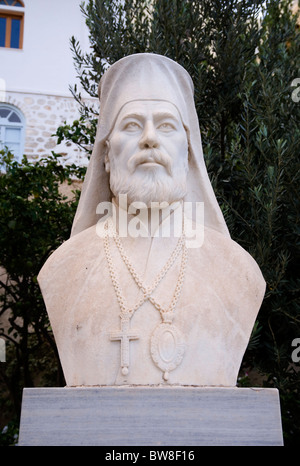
[166, 127]
[132, 126]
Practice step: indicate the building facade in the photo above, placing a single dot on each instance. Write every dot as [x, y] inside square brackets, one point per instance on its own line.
[36, 70]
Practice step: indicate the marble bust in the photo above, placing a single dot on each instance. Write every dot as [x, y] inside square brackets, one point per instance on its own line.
[132, 298]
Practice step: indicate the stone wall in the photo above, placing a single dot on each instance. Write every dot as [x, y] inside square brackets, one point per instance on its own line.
[43, 115]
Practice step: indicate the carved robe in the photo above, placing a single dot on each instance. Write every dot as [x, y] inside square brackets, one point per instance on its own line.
[222, 291]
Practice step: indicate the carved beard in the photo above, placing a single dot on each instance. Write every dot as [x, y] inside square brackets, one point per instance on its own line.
[153, 184]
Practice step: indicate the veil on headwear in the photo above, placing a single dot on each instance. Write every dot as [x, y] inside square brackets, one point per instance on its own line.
[146, 76]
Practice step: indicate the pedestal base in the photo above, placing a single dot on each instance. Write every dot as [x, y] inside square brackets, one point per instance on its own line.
[136, 416]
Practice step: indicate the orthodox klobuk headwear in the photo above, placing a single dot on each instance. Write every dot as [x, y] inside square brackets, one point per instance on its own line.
[146, 76]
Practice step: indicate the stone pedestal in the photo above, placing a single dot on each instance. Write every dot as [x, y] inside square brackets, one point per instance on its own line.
[136, 416]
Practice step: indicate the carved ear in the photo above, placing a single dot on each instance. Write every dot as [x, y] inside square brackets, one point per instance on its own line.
[106, 163]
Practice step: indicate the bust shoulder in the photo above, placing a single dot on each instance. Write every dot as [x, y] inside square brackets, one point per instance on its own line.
[233, 273]
[66, 261]
[238, 261]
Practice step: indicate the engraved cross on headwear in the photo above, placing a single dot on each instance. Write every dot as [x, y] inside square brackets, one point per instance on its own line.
[125, 335]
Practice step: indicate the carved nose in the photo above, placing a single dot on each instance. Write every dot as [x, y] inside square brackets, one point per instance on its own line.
[149, 139]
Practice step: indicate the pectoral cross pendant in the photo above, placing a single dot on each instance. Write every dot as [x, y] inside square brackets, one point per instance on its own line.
[125, 336]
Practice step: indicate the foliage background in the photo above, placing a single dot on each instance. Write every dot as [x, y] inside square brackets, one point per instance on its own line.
[243, 57]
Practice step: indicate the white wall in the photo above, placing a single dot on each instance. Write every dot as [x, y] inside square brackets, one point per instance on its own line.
[45, 64]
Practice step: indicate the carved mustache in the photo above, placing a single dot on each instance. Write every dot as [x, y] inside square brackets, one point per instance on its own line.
[150, 155]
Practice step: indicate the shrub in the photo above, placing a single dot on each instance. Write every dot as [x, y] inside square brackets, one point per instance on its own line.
[35, 218]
